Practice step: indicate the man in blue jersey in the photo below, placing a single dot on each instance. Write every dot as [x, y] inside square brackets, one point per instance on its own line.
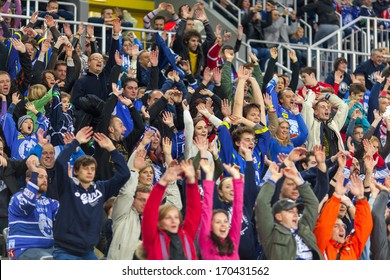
[31, 216]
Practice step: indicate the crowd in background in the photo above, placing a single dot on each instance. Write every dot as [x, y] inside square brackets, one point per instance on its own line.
[168, 151]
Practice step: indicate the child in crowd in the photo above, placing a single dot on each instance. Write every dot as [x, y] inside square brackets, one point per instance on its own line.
[39, 97]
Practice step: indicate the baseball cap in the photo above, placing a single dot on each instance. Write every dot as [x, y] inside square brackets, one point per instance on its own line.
[284, 205]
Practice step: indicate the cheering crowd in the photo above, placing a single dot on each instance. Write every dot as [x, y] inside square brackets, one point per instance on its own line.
[168, 152]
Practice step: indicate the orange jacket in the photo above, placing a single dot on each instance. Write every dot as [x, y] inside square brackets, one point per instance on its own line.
[353, 246]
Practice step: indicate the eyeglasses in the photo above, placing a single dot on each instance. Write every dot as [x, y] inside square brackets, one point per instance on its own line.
[98, 59]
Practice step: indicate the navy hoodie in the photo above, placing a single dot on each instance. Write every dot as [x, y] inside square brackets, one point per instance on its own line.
[79, 219]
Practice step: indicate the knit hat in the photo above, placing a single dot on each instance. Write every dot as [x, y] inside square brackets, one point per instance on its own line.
[22, 119]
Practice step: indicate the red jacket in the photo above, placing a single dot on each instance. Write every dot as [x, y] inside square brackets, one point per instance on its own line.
[353, 246]
[316, 89]
[151, 232]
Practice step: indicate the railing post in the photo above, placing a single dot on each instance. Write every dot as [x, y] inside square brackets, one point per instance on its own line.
[318, 64]
[375, 33]
[104, 35]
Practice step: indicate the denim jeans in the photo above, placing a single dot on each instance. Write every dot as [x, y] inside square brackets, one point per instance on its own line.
[61, 254]
[323, 31]
[36, 253]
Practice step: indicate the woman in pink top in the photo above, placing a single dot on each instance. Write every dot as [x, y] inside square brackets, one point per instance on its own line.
[215, 240]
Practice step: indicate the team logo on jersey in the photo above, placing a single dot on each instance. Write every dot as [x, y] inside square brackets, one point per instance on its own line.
[25, 147]
[45, 225]
[343, 88]
[89, 198]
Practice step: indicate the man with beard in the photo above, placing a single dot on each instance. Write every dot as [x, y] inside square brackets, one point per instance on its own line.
[31, 217]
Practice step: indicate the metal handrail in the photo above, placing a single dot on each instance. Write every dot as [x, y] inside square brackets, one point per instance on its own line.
[46, 1]
[238, 18]
[103, 26]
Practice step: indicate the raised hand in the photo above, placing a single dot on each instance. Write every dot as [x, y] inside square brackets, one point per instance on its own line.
[201, 15]
[34, 17]
[170, 9]
[18, 45]
[69, 50]
[67, 30]
[240, 32]
[253, 57]
[84, 134]
[147, 137]
[226, 108]
[185, 105]
[293, 56]
[218, 29]
[377, 116]
[369, 162]
[297, 154]
[68, 137]
[167, 118]
[201, 143]
[207, 75]
[208, 168]
[185, 66]
[167, 146]
[357, 188]
[341, 159]
[116, 26]
[185, 11]
[276, 174]
[378, 77]
[350, 145]
[282, 157]
[274, 53]
[124, 100]
[45, 46]
[243, 73]
[217, 75]
[103, 141]
[32, 163]
[368, 147]
[145, 112]
[154, 58]
[339, 189]
[42, 140]
[294, 109]
[50, 22]
[90, 30]
[226, 36]
[81, 29]
[135, 51]
[319, 153]
[118, 58]
[139, 159]
[171, 174]
[31, 107]
[189, 170]
[229, 56]
[15, 98]
[116, 90]
[235, 120]
[232, 171]
[293, 174]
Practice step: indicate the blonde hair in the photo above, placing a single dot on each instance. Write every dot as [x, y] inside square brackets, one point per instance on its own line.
[295, 35]
[36, 92]
[163, 211]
